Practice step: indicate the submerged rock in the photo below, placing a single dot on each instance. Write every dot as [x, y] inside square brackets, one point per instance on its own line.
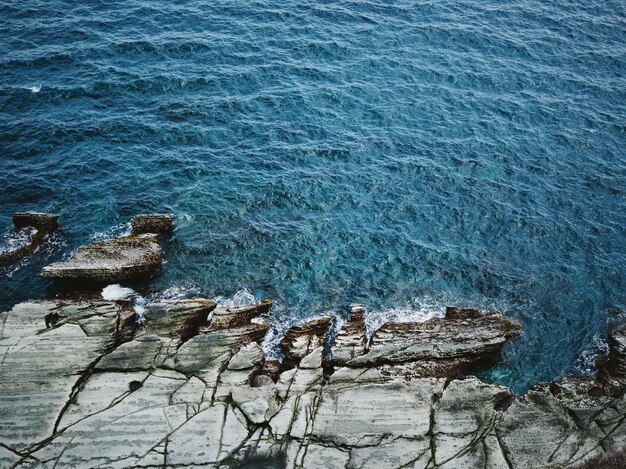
[40, 225]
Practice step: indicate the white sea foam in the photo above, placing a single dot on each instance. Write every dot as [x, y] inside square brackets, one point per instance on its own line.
[241, 298]
[121, 229]
[177, 292]
[598, 347]
[419, 310]
[140, 309]
[14, 240]
[117, 292]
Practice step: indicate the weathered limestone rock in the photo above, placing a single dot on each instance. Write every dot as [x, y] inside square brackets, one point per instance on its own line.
[152, 223]
[75, 395]
[110, 261]
[226, 317]
[43, 365]
[351, 339]
[443, 347]
[178, 318]
[464, 414]
[302, 339]
[360, 415]
[33, 228]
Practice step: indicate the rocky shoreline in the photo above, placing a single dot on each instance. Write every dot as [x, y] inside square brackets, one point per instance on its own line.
[85, 384]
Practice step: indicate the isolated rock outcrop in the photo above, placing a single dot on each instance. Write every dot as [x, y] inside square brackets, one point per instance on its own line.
[116, 260]
[182, 390]
[32, 227]
[157, 223]
[111, 260]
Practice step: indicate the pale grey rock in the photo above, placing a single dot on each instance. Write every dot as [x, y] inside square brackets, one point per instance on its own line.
[397, 452]
[218, 432]
[249, 356]
[121, 434]
[192, 392]
[236, 316]
[75, 395]
[177, 318]
[324, 456]
[313, 360]
[213, 349]
[351, 339]
[533, 428]
[100, 392]
[360, 415]
[259, 405]
[465, 412]
[145, 352]
[38, 375]
[8, 457]
[27, 319]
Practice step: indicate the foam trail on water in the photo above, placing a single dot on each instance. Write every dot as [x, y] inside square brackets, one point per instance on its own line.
[586, 363]
[121, 229]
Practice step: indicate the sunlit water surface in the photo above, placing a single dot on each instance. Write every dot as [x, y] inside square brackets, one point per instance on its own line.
[405, 155]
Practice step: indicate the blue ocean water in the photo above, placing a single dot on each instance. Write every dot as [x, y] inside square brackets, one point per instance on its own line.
[405, 154]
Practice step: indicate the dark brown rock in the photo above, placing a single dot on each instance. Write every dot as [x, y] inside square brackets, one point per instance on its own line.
[181, 319]
[152, 223]
[302, 339]
[109, 261]
[45, 222]
[617, 352]
[34, 227]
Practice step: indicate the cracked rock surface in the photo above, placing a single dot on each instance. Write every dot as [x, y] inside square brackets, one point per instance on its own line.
[183, 390]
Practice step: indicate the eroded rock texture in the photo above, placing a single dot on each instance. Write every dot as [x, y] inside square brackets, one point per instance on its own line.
[184, 390]
[119, 259]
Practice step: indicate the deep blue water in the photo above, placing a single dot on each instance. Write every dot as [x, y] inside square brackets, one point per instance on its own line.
[404, 155]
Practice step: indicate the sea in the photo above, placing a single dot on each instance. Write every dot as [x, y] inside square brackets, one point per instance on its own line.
[405, 155]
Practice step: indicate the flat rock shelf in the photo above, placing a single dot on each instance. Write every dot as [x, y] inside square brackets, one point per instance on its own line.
[83, 384]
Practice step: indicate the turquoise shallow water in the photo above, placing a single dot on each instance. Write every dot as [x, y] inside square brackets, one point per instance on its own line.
[404, 155]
